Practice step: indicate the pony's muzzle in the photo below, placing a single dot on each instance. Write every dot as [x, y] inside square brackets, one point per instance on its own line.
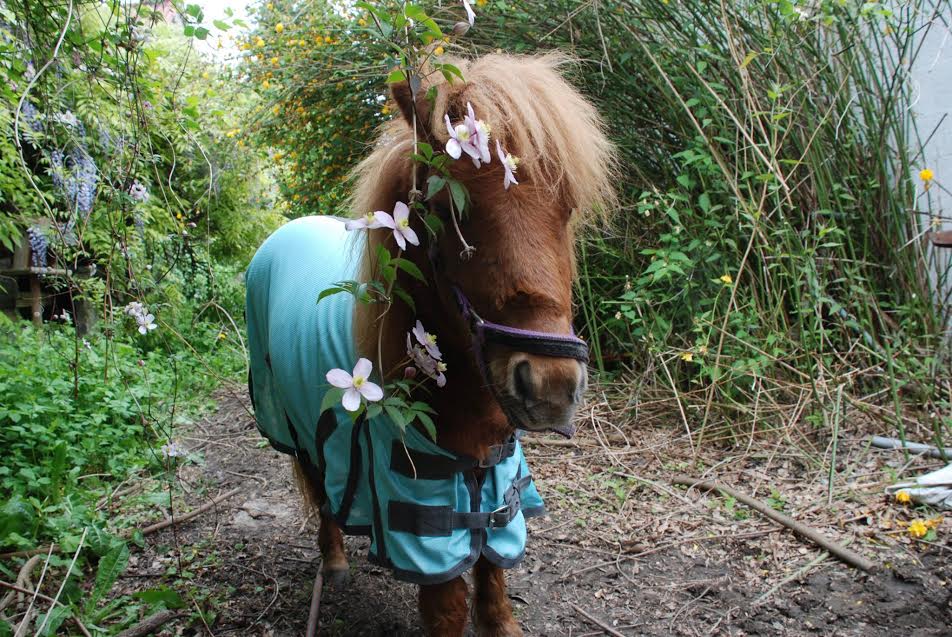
[547, 390]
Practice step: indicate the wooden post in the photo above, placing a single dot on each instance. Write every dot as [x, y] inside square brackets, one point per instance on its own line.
[36, 305]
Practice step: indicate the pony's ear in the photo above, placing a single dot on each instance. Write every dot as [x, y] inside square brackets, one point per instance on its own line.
[403, 96]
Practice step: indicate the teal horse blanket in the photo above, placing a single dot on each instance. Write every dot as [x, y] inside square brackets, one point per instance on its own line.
[430, 514]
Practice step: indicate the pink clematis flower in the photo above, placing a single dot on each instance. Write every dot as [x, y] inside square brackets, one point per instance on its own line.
[367, 222]
[399, 223]
[356, 385]
[427, 340]
[470, 137]
[427, 364]
[510, 163]
[470, 14]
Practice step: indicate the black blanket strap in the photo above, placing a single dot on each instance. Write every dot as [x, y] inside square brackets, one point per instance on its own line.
[441, 521]
[428, 466]
[554, 346]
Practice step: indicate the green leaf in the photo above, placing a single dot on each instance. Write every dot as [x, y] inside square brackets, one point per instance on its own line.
[422, 406]
[406, 298]
[434, 185]
[396, 416]
[383, 256]
[458, 190]
[427, 424]
[373, 410]
[110, 567]
[160, 596]
[410, 268]
[331, 398]
[330, 292]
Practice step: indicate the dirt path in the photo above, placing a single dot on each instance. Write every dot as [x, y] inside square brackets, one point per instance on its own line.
[619, 544]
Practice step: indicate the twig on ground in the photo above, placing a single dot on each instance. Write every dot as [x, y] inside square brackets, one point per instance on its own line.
[791, 578]
[315, 611]
[150, 624]
[158, 526]
[52, 548]
[850, 557]
[608, 629]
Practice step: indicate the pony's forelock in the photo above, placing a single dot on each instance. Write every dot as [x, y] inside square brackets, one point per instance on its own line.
[536, 115]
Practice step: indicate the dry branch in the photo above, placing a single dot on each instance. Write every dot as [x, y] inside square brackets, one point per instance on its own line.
[315, 612]
[840, 551]
[608, 629]
[158, 526]
[150, 624]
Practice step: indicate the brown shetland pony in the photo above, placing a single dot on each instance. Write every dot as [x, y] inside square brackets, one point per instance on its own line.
[520, 275]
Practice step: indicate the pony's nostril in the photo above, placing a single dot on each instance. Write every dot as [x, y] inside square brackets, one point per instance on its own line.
[522, 381]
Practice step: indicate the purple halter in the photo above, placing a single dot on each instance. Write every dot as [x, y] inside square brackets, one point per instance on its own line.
[485, 332]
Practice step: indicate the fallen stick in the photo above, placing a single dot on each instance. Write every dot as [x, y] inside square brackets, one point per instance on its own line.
[608, 629]
[30, 552]
[158, 526]
[50, 600]
[150, 624]
[315, 612]
[838, 550]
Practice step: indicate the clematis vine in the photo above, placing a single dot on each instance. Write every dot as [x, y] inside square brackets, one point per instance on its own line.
[356, 385]
[145, 321]
[470, 137]
[425, 355]
[510, 162]
[427, 340]
[399, 223]
[367, 222]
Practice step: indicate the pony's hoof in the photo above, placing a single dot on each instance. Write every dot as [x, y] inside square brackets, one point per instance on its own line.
[507, 628]
[337, 577]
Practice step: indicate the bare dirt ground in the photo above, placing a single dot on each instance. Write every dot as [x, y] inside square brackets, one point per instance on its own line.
[621, 544]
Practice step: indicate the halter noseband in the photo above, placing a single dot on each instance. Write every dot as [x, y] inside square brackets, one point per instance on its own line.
[485, 332]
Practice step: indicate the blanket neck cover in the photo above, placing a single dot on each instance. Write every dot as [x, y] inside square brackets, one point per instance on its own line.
[428, 514]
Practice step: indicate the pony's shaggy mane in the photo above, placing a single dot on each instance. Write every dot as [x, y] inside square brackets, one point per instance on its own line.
[535, 113]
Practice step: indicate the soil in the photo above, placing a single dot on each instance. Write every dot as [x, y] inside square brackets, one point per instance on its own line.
[620, 544]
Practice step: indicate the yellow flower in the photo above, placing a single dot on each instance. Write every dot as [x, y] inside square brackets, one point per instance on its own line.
[926, 175]
[438, 50]
[727, 279]
[362, 22]
[903, 497]
[918, 528]
[687, 356]
[279, 28]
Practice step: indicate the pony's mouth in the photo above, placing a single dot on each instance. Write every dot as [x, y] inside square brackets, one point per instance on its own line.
[537, 415]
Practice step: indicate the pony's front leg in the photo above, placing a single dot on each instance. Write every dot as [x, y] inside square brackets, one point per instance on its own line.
[492, 610]
[443, 608]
